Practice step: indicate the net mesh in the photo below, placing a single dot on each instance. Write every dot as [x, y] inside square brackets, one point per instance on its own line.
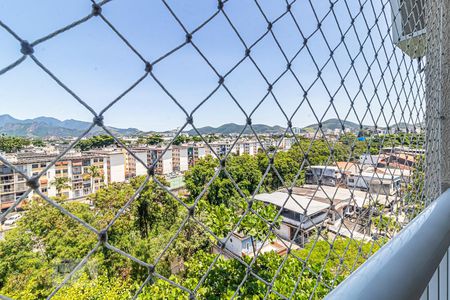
[347, 53]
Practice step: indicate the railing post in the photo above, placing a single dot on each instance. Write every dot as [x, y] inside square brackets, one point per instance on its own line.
[438, 124]
[445, 82]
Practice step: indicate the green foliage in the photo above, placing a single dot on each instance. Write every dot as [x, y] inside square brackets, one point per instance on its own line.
[102, 287]
[10, 144]
[180, 139]
[42, 241]
[386, 224]
[227, 274]
[287, 166]
[61, 184]
[153, 139]
[242, 169]
[97, 141]
[154, 206]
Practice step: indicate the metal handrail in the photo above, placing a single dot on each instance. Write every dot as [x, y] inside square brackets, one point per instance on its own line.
[403, 267]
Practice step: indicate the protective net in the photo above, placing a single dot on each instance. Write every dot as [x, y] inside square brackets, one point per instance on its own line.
[287, 214]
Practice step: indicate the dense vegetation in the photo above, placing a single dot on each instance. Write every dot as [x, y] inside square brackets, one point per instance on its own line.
[153, 139]
[11, 144]
[97, 141]
[46, 245]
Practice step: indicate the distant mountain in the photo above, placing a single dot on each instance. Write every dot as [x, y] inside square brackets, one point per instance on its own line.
[51, 127]
[336, 124]
[333, 124]
[232, 128]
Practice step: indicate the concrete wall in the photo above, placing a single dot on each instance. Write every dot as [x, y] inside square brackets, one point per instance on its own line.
[140, 168]
[184, 162]
[117, 165]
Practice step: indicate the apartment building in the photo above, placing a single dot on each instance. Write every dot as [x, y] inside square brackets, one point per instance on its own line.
[247, 147]
[195, 152]
[85, 173]
[12, 185]
[180, 160]
[115, 167]
[164, 165]
[133, 167]
[222, 148]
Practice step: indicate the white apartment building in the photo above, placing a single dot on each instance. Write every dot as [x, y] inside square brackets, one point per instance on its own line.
[77, 168]
[164, 165]
[247, 147]
[180, 158]
[134, 167]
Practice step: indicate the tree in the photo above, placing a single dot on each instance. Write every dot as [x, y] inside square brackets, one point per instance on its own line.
[196, 138]
[226, 275]
[93, 173]
[154, 139]
[153, 206]
[43, 240]
[180, 139]
[243, 170]
[38, 143]
[61, 184]
[11, 144]
[97, 141]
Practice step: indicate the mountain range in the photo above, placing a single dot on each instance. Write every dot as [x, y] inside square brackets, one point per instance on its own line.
[51, 127]
[335, 124]
[232, 128]
[44, 127]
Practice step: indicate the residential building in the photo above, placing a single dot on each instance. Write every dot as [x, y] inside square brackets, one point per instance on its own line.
[327, 175]
[85, 172]
[300, 215]
[180, 160]
[163, 157]
[384, 184]
[194, 153]
[134, 167]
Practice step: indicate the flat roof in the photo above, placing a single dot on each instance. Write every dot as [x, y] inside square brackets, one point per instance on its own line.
[295, 203]
[323, 167]
[337, 195]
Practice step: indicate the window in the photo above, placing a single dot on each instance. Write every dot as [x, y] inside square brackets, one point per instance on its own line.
[34, 166]
[351, 180]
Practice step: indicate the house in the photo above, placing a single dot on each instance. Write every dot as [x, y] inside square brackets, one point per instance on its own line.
[328, 175]
[384, 184]
[300, 215]
[240, 245]
[344, 202]
[370, 160]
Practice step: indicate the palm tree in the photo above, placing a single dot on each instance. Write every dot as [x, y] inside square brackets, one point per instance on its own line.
[61, 183]
[94, 172]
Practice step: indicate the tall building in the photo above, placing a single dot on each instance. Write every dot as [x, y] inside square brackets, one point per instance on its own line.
[164, 164]
[84, 174]
[180, 159]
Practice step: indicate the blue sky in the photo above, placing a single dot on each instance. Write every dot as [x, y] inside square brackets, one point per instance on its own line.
[98, 66]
